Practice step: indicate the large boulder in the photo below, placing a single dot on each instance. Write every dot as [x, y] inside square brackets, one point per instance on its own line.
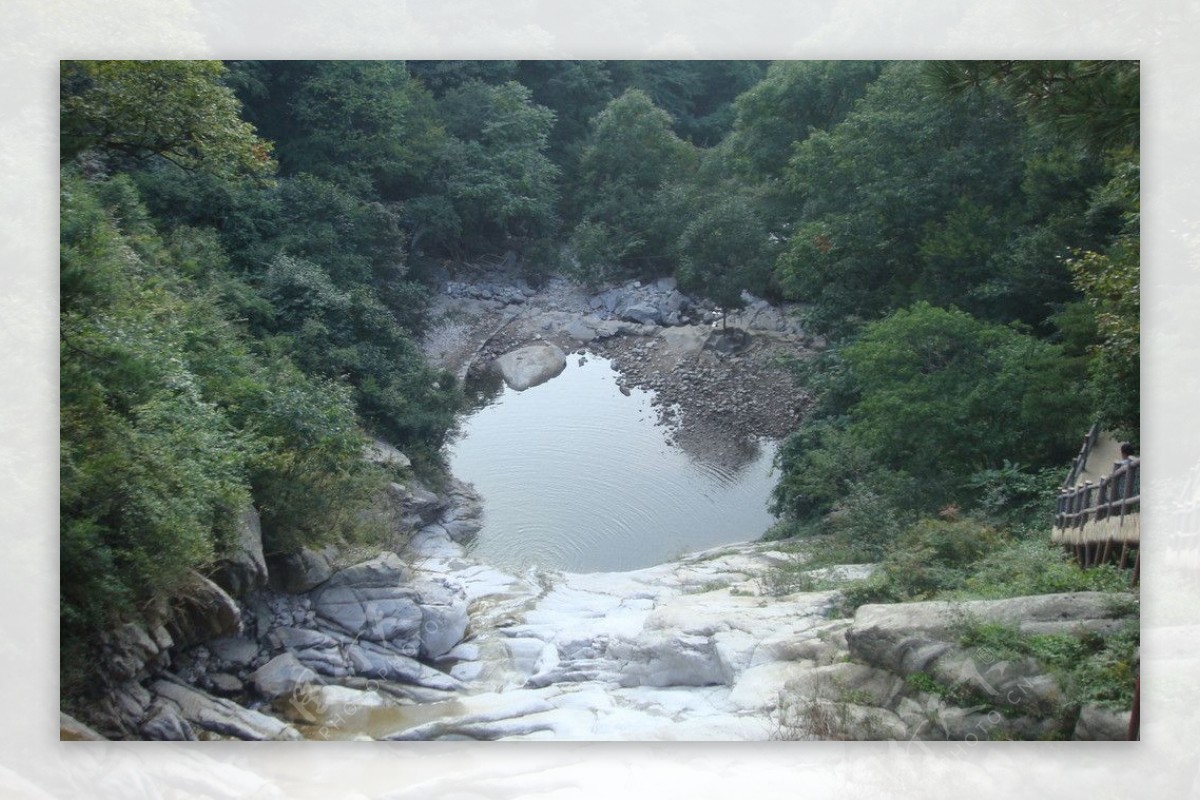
[1097, 723]
[127, 650]
[233, 653]
[906, 638]
[531, 365]
[385, 455]
[669, 659]
[203, 611]
[282, 676]
[644, 313]
[417, 505]
[444, 619]
[378, 601]
[299, 572]
[222, 716]
[164, 722]
[371, 601]
[243, 569]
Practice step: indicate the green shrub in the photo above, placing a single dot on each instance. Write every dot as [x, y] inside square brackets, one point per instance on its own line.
[1090, 667]
[1036, 567]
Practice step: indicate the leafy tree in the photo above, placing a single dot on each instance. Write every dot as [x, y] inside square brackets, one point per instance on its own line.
[1093, 105]
[936, 397]
[440, 77]
[725, 250]
[901, 167]
[944, 395]
[497, 177]
[576, 91]
[366, 125]
[177, 111]
[1110, 282]
[698, 95]
[794, 99]
[170, 424]
[1096, 102]
[630, 154]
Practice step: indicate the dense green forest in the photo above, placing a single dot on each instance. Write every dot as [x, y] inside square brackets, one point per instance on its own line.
[246, 249]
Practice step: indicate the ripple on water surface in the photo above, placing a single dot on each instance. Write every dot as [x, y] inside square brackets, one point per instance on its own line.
[576, 476]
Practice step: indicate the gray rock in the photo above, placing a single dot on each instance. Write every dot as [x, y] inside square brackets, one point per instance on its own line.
[374, 662]
[127, 650]
[162, 637]
[666, 284]
[131, 701]
[225, 683]
[380, 614]
[612, 300]
[1021, 684]
[643, 313]
[281, 676]
[675, 302]
[298, 572]
[385, 455]
[203, 611]
[1098, 723]
[328, 661]
[532, 365]
[244, 569]
[416, 500]
[165, 723]
[669, 660]
[385, 570]
[442, 628]
[294, 639]
[462, 530]
[70, 729]
[222, 716]
[580, 331]
[234, 652]
[908, 637]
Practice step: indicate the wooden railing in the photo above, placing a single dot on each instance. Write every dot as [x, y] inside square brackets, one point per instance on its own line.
[1077, 466]
[1093, 518]
[1115, 495]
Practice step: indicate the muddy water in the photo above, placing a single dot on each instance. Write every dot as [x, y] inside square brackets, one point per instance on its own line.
[577, 476]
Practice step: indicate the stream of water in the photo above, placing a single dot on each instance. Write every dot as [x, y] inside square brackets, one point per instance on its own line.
[577, 476]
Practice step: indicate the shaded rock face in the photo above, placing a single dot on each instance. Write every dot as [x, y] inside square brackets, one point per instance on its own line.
[218, 715]
[127, 651]
[299, 572]
[245, 569]
[203, 612]
[377, 601]
[532, 365]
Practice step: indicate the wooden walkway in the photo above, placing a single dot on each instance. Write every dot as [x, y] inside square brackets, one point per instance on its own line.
[1099, 514]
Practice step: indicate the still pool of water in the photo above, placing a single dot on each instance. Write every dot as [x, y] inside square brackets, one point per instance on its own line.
[576, 476]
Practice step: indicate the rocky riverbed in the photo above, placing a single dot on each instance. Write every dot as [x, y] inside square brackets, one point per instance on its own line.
[721, 381]
[414, 639]
[426, 643]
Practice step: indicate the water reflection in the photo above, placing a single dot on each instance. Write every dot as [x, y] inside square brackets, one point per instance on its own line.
[575, 475]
